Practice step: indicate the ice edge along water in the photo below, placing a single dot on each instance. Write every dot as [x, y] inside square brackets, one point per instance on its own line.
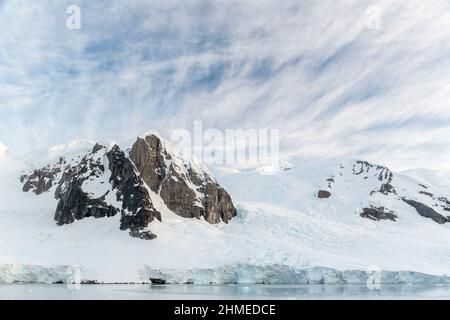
[229, 274]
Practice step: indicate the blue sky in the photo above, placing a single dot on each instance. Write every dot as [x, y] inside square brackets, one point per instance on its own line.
[312, 69]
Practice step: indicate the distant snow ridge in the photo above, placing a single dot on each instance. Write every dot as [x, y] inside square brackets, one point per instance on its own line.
[275, 168]
[4, 151]
[379, 188]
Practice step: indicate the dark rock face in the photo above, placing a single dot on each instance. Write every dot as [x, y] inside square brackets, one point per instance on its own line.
[365, 171]
[378, 182]
[386, 188]
[106, 182]
[149, 157]
[209, 201]
[323, 194]
[426, 193]
[42, 180]
[179, 198]
[184, 190]
[377, 214]
[217, 203]
[143, 235]
[75, 203]
[382, 174]
[444, 202]
[137, 208]
[426, 211]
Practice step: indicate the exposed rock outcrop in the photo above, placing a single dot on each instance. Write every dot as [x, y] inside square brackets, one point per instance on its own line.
[426, 211]
[444, 203]
[74, 203]
[42, 180]
[323, 194]
[137, 207]
[107, 181]
[372, 184]
[378, 213]
[368, 174]
[186, 189]
[382, 174]
[150, 158]
[91, 189]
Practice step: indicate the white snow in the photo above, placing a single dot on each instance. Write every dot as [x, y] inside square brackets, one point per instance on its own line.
[3, 149]
[72, 151]
[5, 154]
[281, 226]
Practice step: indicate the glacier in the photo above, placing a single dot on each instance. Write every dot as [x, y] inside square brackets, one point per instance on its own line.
[281, 274]
[282, 234]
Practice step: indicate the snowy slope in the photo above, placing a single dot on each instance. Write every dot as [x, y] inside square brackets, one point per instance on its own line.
[281, 225]
[4, 153]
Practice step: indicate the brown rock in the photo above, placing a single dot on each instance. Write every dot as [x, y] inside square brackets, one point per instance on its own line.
[377, 214]
[41, 180]
[74, 203]
[185, 191]
[426, 211]
[323, 194]
[149, 157]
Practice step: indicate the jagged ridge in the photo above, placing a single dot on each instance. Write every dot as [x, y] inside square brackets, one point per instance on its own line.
[106, 182]
[380, 182]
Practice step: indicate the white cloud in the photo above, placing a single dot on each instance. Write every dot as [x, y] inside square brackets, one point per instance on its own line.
[311, 69]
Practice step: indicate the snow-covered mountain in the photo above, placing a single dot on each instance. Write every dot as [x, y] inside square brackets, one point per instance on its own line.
[383, 193]
[312, 222]
[138, 185]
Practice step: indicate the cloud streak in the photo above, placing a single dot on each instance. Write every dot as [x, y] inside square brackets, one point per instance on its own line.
[312, 69]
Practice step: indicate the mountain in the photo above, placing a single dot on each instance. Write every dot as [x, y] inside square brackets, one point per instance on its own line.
[383, 193]
[108, 181]
[95, 205]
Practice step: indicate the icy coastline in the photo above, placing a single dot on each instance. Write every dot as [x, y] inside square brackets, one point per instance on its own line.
[231, 274]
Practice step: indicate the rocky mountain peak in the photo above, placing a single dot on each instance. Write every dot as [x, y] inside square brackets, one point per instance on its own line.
[378, 179]
[380, 191]
[185, 188]
[149, 156]
[380, 173]
[106, 182]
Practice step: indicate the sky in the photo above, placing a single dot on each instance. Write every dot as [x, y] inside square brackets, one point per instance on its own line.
[339, 79]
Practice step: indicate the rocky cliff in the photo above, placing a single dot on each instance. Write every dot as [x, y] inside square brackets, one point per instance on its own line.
[186, 189]
[108, 181]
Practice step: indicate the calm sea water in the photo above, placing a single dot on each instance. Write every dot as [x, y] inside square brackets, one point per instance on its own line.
[250, 292]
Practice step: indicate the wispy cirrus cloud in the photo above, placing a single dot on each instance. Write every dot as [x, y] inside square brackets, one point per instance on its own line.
[312, 69]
